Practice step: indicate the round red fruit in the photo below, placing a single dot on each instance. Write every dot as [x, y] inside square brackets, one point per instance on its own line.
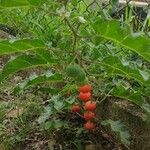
[76, 108]
[89, 126]
[90, 106]
[89, 116]
[85, 96]
[85, 88]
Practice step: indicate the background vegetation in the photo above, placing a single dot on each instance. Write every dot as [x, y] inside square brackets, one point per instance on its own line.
[110, 46]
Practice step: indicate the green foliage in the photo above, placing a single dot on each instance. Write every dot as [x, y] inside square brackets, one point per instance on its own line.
[121, 35]
[23, 45]
[77, 44]
[56, 106]
[118, 127]
[18, 3]
[23, 62]
[55, 124]
[39, 79]
[128, 94]
[63, 51]
[114, 66]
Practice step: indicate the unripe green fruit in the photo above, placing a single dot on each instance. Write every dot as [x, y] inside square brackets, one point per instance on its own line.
[74, 70]
[81, 76]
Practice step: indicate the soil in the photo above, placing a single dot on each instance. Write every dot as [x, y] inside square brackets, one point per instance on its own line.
[64, 139]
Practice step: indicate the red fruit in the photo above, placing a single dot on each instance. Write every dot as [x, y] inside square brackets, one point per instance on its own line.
[85, 96]
[89, 116]
[89, 106]
[76, 108]
[85, 88]
[89, 126]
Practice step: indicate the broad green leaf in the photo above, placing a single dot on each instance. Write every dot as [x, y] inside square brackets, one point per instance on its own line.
[58, 105]
[20, 3]
[112, 30]
[23, 62]
[9, 47]
[54, 124]
[59, 124]
[38, 80]
[46, 55]
[113, 66]
[74, 2]
[45, 115]
[145, 74]
[46, 90]
[135, 97]
[70, 100]
[113, 1]
[57, 101]
[49, 125]
[118, 127]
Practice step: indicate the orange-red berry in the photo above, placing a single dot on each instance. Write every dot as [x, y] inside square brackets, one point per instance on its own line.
[85, 88]
[85, 96]
[90, 126]
[76, 108]
[90, 106]
[89, 115]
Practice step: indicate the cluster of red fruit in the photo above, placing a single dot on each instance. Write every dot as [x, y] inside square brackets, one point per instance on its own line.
[89, 106]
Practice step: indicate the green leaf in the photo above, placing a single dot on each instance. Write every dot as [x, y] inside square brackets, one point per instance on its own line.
[38, 80]
[74, 2]
[48, 125]
[9, 47]
[58, 105]
[118, 127]
[58, 102]
[55, 124]
[46, 90]
[70, 100]
[46, 55]
[113, 1]
[145, 74]
[113, 66]
[135, 97]
[23, 62]
[58, 124]
[112, 30]
[44, 116]
[20, 3]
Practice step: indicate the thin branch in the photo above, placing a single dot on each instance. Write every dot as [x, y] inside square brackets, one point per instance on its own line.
[74, 34]
[74, 42]
[70, 26]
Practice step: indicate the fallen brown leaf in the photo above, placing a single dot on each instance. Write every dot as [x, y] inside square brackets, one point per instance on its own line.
[90, 147]
[14, 113]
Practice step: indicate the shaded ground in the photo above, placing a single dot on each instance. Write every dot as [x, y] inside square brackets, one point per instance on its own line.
[66, 139]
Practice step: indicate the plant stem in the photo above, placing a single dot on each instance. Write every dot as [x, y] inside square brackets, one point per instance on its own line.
[75, 36]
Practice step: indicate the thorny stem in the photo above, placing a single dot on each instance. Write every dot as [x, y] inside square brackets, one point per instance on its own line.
[75, 36]
[70, 26]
